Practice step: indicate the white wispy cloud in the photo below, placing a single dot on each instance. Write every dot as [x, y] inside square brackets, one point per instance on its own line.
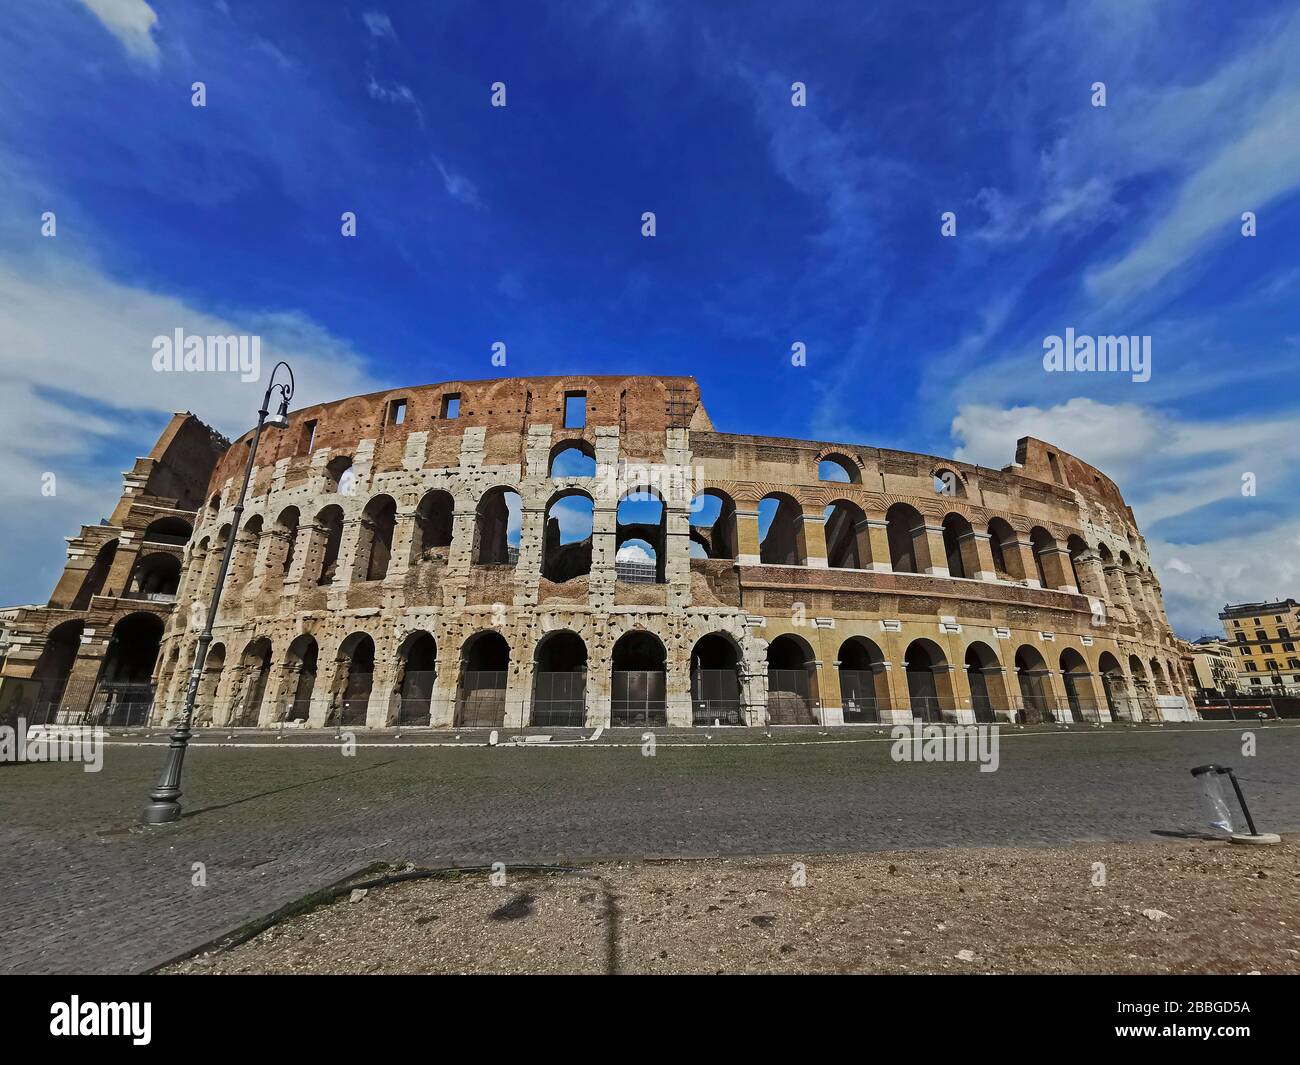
[132, 22]
[379, 24]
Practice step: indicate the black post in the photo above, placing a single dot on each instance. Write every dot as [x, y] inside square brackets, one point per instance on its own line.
[165, 806]
[1250, 822]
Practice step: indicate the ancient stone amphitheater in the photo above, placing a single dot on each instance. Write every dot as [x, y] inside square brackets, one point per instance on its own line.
[590, 551]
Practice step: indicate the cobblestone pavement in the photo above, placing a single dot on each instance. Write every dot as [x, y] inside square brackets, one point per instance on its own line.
[86, 889]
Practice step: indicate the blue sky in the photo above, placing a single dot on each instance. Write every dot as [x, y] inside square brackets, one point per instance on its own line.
[775, 225]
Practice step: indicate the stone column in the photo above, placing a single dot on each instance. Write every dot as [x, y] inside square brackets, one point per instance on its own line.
[399, 559]
[1057, 570]
[747, 547]
[814, 536]
[878, 541]
[1018, 553]
[928, 550]
[977, 556]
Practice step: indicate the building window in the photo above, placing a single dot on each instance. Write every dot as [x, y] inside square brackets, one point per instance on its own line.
[308, 439]
[1265, 649]
[575, 410]
[450, 406]
[1250, 667]
[397, 412]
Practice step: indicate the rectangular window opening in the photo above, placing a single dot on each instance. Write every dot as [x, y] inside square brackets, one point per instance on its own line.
[397, 412]
[451, 405]
[308, 440]
[575, 410]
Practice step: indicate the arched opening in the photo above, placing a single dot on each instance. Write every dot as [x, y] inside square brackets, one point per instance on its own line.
[375, 549]
[93, 583]
[715, 681]
[53, 669]
[1044, 546]
[864, 682]
[904, 526]
[168, 531]
[838, 468]
[1035, 690]
[780, 530]
[284, 542]
[1001, 540]
[791, 682]
[418, 658]
[433, 528]
[339, 475]
[959, 546]
[1077, 548]
[713, 525]
[929, 686]
[497, 523]
[156, 578]
[988, 690]
[1078, 692]
[256, 668]
[1113, 686]
[639, 680]
[560, 681]
[302, 662]
[947, 483]
[848, 545]
[124, 694]
[641, 529]
[484, 667]
[205, 699]
[1159, 678]
[244, 560]
[572, 458]
[1145, 710]
[328, 539]
[355, 678]
[566, 540]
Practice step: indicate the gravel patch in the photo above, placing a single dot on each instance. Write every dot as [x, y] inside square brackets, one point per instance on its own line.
[1187, 907]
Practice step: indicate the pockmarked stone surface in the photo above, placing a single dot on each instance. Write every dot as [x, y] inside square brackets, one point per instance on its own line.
[1109, 908]
[89, 890]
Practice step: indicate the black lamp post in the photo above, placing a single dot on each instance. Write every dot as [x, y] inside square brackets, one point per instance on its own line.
[165, 805]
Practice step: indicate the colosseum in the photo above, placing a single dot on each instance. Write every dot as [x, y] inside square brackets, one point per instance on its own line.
[590, 551]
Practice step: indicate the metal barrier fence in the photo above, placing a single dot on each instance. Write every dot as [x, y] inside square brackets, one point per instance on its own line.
[416, 697]
[559, 700]
[639, 697]
[858, 697]
[715, 697]
[482, 699]
[120, 705]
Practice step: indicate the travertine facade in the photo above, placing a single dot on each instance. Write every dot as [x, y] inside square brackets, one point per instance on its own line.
[375, 579]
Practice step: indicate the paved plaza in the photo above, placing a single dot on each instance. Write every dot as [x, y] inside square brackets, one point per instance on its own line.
[87, 889]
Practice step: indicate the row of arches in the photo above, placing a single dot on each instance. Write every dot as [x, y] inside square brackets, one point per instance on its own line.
[1022, 688]
[155, 574]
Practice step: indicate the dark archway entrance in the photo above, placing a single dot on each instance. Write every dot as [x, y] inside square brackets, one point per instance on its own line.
[124, 694]
[484, 668]
[560, 681]
[639, 682]
[715, 682]
[791, 682]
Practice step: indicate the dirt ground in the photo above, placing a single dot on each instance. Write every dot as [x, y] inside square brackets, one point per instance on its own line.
[1178, 907]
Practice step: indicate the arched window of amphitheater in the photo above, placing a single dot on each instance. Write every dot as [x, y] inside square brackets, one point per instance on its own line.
[286, 533]
[1043, 544]
[497, 524]
[640, 533]
[847, 542]
[433, 527]
[567, 536]
[375, 549]
[713, 525]
[959, 546]
[839, 469]
[572, 458]
[327, 539]
[780, 530]
[903, 526]
[1001, 535]
[947, 483]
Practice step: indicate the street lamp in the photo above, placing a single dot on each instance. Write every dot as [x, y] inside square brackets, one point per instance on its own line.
[165, 806]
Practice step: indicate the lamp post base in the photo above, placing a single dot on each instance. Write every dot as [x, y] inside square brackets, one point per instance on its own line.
[166, 806]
